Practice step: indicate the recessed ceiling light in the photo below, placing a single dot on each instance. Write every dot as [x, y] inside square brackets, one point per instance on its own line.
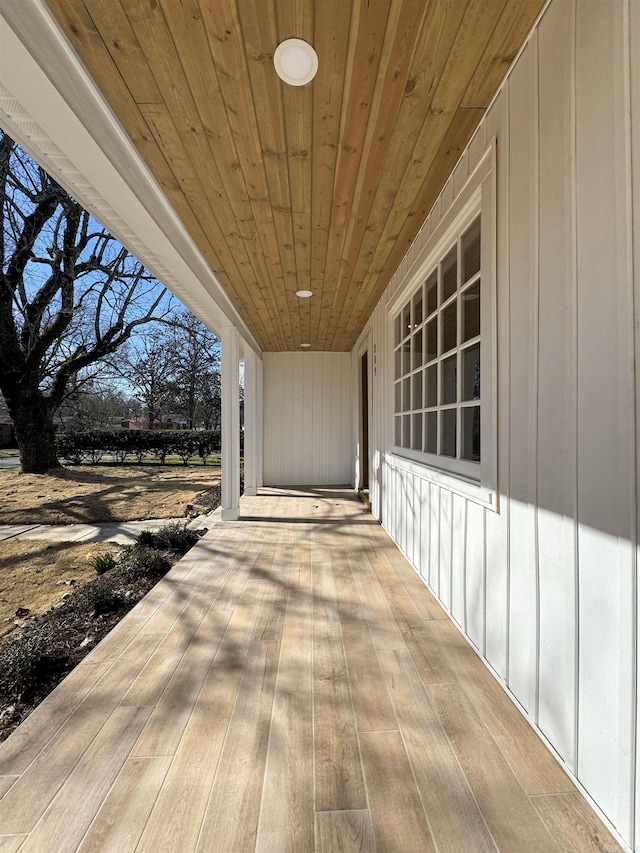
[304, 294]
[305, 345]
[296, 62]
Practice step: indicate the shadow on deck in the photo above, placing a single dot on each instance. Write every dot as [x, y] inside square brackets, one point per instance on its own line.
[290, 685]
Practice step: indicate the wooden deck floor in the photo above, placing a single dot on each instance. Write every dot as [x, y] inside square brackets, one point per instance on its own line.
[290, 686]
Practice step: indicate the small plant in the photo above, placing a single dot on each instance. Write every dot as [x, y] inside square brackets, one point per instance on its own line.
[175, 537]
[141, 559]
[103, 595]
[24, 660]
[147, 537]
[101, 562]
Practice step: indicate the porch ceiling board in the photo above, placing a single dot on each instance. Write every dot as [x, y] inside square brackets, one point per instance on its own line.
[321, 187]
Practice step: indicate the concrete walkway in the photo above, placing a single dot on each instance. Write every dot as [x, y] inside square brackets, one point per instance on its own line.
[9, 461]
[121, 532]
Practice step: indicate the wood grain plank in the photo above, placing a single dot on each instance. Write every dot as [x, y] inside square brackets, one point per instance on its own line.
[454, 819]
[133, 793]
[31, 736]
[471, 37]
[385, 632]
[371, 703]
[244, 752]
[286, 812]
[11, 843]
[226, 45]
[296, 20]
[175, 821]
[347, 831]
[294, 668]
[423, 599]
[119, 39]
[460, 129]
[433, 48]
[366, 38]
[429, 655]
[26, 801]
[338, 773]
[509, 815]
[574, 824]
[401, 34]
[536, 769]
[399, 821]
[232, 814]
[331, 38]
[5, 783]
[67, 819]
[173, 710]
[510, 31]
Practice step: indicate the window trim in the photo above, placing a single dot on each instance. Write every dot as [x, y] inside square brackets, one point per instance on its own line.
[477, 197]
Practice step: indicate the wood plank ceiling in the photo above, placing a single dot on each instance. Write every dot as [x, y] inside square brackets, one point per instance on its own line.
[321, 187]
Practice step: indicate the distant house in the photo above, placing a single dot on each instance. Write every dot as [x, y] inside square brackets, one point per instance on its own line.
[132, 423]
[173, 421]
[7, 436]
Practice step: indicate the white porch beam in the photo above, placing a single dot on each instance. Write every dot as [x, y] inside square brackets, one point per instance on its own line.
[54, 110]
[259, 421]
[250, 423]
[230, 509]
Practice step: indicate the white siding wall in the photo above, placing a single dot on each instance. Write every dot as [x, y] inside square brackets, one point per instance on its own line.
[307, 419]
[545, 587]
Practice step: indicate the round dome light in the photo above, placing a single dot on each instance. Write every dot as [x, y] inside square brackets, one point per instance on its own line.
[296, 62]
[305, 345]
[304, 294]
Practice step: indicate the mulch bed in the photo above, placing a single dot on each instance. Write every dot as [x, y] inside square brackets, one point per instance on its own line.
[34, 662]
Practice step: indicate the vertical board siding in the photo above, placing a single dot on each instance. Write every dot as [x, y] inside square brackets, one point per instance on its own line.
[522, 446]
[544, 585]
[458, 557]
[605, 458]
[474, 574]
[446, 532]
[634, 55]
[307, 419]
[497, 523]
[557, 471]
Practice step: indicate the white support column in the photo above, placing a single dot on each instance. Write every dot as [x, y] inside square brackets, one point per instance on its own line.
[230, 424]
[250, 422]
[259, 421]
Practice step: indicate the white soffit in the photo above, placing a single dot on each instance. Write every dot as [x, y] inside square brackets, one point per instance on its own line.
[53, 109]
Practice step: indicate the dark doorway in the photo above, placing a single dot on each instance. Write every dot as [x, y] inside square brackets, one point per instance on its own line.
[364, 424]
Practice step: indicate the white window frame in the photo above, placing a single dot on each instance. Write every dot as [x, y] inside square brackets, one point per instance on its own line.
[477, 197]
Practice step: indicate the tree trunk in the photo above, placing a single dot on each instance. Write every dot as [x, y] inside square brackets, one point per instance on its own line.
[35, 433]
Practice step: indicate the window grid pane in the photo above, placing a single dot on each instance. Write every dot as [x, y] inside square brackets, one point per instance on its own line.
[437, 357]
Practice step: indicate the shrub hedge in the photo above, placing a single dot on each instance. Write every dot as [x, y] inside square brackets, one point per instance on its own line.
[92, 445]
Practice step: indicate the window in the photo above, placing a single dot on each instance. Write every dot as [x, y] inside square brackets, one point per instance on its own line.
[437, 357]
[443, 352]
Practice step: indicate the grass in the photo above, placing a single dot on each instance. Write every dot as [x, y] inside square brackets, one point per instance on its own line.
[51, 638]
[212, 461]
[102, 493]
[36, 575]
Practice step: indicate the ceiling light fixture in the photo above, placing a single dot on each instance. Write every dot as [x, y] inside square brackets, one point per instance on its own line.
[305, 345]
[304, 294]
[296, 62]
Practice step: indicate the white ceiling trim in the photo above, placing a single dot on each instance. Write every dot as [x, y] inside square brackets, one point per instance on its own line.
[54, 110]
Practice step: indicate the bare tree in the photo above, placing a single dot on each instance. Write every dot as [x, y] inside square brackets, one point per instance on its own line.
[195, 356]
[70, 295]
[148, 367]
